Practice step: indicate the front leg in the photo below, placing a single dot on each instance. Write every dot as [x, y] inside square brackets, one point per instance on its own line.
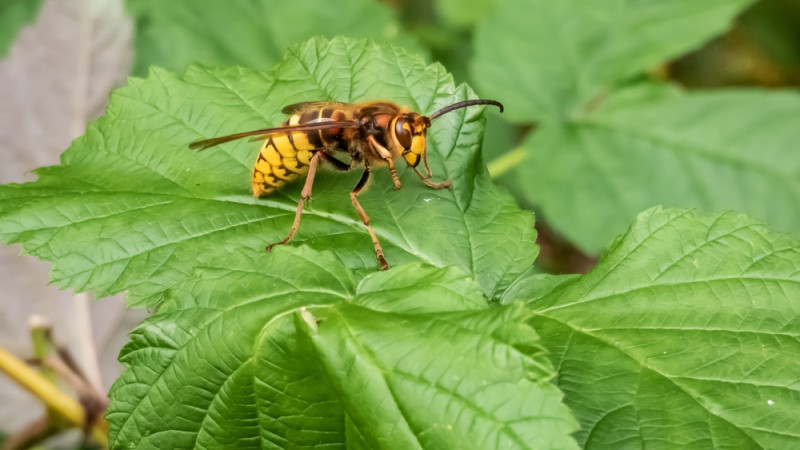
[427, 180]
[386, 155]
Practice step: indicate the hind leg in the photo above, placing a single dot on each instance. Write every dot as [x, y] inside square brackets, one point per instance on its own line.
[304, 195]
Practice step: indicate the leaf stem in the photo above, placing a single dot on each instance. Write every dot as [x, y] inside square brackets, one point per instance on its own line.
[506, 162]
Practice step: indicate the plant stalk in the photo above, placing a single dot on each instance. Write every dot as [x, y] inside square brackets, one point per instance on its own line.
[47, 393]
[506, 162]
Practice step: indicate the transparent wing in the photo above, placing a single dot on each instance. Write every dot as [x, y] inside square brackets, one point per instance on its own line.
[305, 106]
[311, 126]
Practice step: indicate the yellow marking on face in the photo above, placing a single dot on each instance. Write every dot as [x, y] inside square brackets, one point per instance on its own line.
[418, 145]
[412, 159]
[294, 120]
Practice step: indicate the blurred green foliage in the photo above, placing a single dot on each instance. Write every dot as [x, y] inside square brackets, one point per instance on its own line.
[253, 34]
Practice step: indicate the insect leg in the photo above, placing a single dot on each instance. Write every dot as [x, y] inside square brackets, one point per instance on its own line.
[386, 155]
[431, 184]
[365, 218]
[427, 179]
[304, 195]
[427, 167]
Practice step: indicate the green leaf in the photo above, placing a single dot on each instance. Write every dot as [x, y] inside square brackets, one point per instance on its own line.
[547, 59]
[228, 371]
[397, 291]
[231, 370]
[408, 390]
[14, 14]
[131, 208]
[712, 150]
[686, 334]
[532, 286]
[250, 33]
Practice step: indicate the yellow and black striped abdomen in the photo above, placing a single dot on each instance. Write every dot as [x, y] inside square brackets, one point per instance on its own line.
[282, 158]
[285, 156]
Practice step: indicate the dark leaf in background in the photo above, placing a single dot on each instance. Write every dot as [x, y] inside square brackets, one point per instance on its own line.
[607, 144]
[548, 60]
[731, 149]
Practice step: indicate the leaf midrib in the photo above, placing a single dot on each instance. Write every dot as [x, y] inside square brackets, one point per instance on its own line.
[376, 363]
[673, 380]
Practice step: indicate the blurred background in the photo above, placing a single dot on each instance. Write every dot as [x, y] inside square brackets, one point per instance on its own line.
[59, 61]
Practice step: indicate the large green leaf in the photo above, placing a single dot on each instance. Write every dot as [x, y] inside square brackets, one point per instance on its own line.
[686, 334]
[14, 14]
[399, 391]
[734, 149]
[226, 370]
[250, 33]
[434, 368]
[548, 59]
[131, 208]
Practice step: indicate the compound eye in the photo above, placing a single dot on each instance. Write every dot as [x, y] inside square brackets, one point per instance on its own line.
[402, 130]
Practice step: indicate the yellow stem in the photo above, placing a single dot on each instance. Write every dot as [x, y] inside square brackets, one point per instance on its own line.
[57, 401]
[506, 162]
